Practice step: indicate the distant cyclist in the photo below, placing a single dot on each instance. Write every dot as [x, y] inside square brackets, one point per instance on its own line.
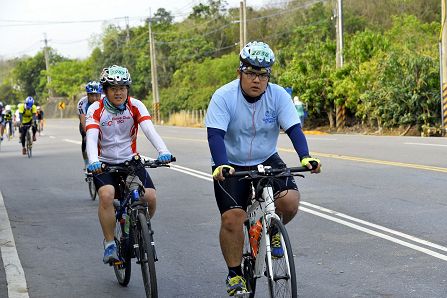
[2, 122]
[94, 91]
[243, 123]
[112, 125]
[40, 119]
[7, 119]
[27, 112]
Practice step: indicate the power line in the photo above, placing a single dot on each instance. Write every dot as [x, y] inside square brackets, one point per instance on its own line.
[194, 38]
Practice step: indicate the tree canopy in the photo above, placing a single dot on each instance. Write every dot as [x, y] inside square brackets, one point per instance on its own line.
[390, 76]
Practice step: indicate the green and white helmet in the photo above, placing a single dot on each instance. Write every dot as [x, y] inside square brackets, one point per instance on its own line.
[115, 75]
[257, 54]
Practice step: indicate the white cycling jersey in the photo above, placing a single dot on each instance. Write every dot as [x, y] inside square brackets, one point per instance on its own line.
[112, 138]
[83, 105]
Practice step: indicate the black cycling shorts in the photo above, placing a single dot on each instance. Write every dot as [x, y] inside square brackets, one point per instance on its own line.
[234, 193]
[114, 178]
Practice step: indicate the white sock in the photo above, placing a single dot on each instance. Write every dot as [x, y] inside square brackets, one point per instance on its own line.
[107, 244]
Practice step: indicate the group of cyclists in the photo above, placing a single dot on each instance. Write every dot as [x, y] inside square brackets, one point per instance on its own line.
[243, 124]
[26, 115]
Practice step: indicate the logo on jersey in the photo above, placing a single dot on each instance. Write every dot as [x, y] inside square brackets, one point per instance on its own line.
[270, 117]
[118, 119]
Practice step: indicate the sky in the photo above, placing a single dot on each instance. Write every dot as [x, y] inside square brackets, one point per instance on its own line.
[69, 26]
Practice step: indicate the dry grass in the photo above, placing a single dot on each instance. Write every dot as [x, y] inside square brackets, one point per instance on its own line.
[187, 118]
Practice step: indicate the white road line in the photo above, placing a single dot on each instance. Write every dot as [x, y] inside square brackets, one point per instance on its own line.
[208, 177]
[378, 227]
[15, 276]
[72, 141]
[426, 144]
[378, 234]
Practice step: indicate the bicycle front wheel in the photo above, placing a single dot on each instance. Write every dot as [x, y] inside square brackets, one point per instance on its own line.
[29, 144]
[147, 256]
[92, 189]
[248, 262]
[281, 268]
[123, 268]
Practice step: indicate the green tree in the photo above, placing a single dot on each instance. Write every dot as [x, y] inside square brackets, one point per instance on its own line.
[68, 78]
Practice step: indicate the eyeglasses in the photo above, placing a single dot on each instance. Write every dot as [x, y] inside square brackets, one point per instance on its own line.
[252, 75]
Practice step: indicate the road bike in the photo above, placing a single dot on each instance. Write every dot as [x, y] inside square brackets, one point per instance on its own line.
[134, 236]
[39, 129]
[261, 223]
[28, 140]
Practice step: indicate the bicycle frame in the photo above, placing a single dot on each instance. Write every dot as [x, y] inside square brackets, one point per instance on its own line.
[263, 210]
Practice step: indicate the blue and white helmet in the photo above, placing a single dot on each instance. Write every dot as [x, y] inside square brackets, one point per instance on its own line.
[93, 87]
[257, 54]
[29, 102]
[115, 75]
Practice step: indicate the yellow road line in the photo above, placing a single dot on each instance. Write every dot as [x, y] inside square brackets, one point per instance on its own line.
[345, 157]
[374, 161]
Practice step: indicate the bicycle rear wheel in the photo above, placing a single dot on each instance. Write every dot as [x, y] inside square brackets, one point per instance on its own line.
[147, 256]
[123, 268]
[281, 270]
[248, 262]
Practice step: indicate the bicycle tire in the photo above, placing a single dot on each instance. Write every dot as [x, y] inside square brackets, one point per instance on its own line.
[92, 190]
[283, 281]
[147, 256]
[124, 269]
[29, 144]
[248, 263]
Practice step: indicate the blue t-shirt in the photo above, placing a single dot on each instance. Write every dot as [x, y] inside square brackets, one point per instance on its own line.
[252, 129]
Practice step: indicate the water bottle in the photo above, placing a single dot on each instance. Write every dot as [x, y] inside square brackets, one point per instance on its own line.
[135, 195]
[255, 233]
[134, 185]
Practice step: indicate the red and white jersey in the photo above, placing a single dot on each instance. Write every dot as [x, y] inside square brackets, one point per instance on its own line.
[116, 134]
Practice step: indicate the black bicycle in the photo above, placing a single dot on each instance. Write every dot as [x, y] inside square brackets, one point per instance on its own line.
[134, 236]
[28, 139]
[91, 185]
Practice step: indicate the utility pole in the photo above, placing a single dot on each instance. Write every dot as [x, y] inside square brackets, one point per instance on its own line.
[443, 67]
[340, 119]
[47, 64]
[127, 30]
[245, 21]
[154, 79]
[241, 25]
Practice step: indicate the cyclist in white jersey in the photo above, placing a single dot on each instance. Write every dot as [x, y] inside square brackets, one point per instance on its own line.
[94, 91]
[112, 126]
[243, 122]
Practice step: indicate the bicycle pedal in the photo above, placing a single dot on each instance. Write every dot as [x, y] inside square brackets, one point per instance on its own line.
[116, 263]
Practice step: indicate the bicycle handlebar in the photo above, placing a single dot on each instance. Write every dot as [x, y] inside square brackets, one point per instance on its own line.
[266, 172]
[133, 164]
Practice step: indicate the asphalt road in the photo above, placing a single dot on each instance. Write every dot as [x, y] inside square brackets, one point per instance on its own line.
[372, 224]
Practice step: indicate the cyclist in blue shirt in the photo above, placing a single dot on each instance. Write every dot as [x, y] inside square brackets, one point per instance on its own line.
[94, 92]
[243, 123]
